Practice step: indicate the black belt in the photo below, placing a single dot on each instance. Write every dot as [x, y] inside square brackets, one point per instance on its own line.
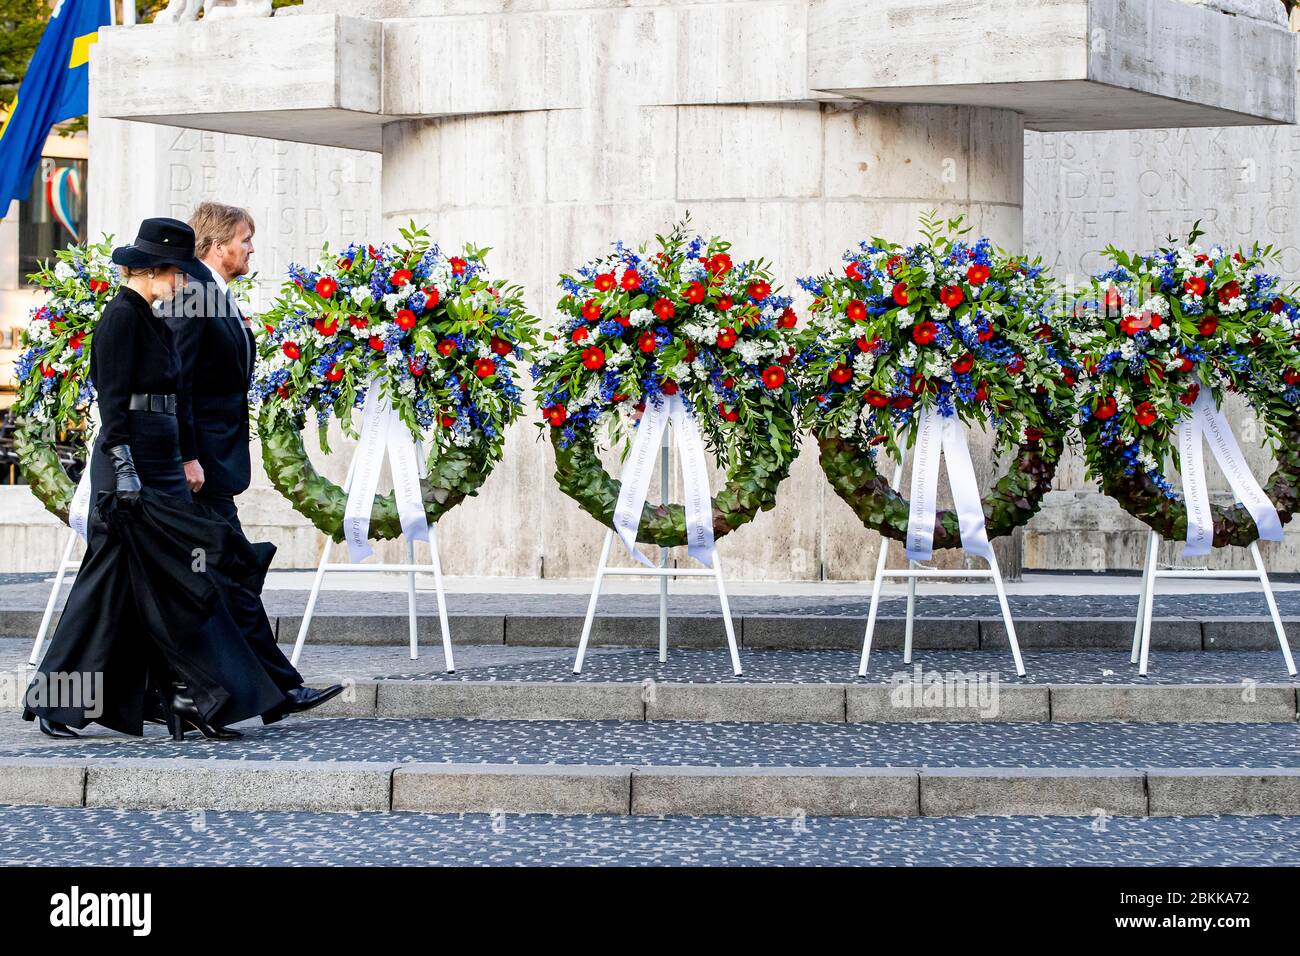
[154, 403]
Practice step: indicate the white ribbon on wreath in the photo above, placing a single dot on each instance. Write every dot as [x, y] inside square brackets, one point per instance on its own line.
[383, 433]
[943, 435]
[639, 468]
[79, 510]
[1207, 421]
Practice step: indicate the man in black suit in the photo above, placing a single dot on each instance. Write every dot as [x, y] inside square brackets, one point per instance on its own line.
[217, 351]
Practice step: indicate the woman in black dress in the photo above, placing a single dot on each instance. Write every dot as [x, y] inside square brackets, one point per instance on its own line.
[142, 618]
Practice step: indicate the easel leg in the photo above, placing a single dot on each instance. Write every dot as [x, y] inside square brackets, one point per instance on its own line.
[410, 601]
[726, 616]
[911, 616]
[876, 586]
[311, 601]
[1148, 603]
[591, 605]
[1006, 614]
[1272, 607]
[1147, 570]
[449, 662]
[55, 593]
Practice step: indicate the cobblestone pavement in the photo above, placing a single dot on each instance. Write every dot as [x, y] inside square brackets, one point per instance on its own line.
[30, 591]
[323, 663]
[722, 744]
[72, 837]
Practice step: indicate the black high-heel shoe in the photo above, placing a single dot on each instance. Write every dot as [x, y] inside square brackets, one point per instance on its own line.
[183, 715]
[52, 728]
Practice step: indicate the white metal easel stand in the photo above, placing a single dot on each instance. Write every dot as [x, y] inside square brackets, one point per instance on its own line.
[1150, 572]
[663, 572]
[410, 568]
[912, 572]
[66, 564]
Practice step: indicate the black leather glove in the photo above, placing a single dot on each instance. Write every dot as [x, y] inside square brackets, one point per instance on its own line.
[128, 482]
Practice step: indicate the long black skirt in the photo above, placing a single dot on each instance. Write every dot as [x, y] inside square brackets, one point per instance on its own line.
[145, 609]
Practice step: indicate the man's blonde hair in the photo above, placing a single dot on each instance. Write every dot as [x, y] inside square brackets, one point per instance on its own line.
[215, 223]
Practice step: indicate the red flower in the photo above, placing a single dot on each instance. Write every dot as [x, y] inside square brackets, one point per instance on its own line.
[668, 387]
[591, 310]
[694, 293]
[485, 367]
[876, 399]
[405, 319]
[1208, 326]
[664, 308]
[1184, 364]
[1144, 414]
[458, 266]
[47, 372]
[1195, 285]
[631, 280]
[646, 342]
[1033, 434]
[604, 282]
[343, 263]
[964, 364]
[1133, 324]
[985, 332]
[623, 320]
[291, 349]
[1016, 365]
[868, 345]
[894, 264]
[1113, 300]
[376, 343]
[1229, 292]
[726, 337]
[358, 321]
[431, 296]
[98, 285]
[853, 272]
[951, 296]
[773, 376]
[727, 414]
[977, 274]
[982, 392]
[1189, 397]
[417, 368]
[1291, 376]
[841, 373]
[758, 291]
[593, 357]
[447, 420]
[788, 319]
[501, 346]
[923, 332]
[1276, 306]
[902, 403]
[556, 415]
[400, 278]
[446, 347]
[900, 293]
[856, 310]
[334, 374]
[724, 303]
[719, 264]
[74, 343]
[326, 287]
[578, 334]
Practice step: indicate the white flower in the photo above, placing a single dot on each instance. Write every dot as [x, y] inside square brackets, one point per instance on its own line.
[63, 272]
[641, 317]
[360, 295]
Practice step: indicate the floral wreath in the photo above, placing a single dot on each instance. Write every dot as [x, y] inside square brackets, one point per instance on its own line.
[681, 320]
[960, 327]
[54, 390]
[1152, 332]
[437, 331]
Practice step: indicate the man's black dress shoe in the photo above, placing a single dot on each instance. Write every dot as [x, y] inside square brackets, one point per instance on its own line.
[302, 699]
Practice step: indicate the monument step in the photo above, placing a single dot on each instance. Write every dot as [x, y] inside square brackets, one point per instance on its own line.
[941, 699]
[679, 767]
[792, 632]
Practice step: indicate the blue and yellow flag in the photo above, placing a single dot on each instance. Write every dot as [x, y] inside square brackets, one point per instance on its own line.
[56, 87]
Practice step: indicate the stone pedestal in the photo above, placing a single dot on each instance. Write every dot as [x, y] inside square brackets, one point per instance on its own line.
[547, 128]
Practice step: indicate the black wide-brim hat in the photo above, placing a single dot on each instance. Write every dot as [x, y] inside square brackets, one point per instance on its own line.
[163, 242]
